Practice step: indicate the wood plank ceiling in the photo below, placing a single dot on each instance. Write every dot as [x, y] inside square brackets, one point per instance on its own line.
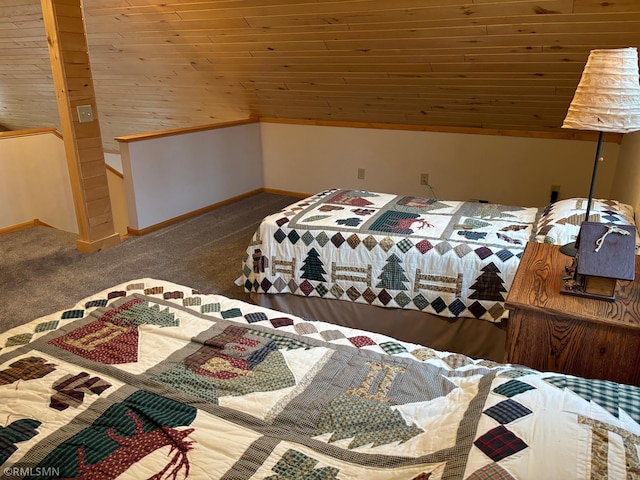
[495, 64]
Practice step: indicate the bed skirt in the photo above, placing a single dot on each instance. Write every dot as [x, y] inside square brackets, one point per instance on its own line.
[469, 336]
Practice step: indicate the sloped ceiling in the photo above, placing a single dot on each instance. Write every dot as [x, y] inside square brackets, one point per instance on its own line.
[491, 64]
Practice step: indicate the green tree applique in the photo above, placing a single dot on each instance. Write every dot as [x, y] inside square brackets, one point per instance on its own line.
[392, 276]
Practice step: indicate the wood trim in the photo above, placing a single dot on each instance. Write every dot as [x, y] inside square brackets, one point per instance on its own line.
[194, 213]
[114, 171]
[287, 193]
[562, 135]
[32, 131]
[19, 226]
[36, 222]
[180, 131]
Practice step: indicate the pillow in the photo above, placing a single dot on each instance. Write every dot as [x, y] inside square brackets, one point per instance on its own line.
[559, 223]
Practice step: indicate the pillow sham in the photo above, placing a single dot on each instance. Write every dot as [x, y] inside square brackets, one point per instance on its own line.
[559, 222]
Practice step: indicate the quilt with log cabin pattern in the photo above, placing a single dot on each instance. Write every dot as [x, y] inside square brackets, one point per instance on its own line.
[151, 379]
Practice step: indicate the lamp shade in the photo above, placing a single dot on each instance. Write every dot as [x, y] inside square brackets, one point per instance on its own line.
[608, 96]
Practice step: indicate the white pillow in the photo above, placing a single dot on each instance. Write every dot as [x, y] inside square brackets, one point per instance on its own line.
[560, 222]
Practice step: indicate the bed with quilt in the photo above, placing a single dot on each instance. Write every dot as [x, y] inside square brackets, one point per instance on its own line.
[151, 379]
[418, 269]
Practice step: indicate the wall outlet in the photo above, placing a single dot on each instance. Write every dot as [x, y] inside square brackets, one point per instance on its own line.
[424, 179]
[85, 113]
[361, 173]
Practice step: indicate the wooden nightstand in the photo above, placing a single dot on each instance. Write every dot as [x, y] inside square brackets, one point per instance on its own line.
[575, 335]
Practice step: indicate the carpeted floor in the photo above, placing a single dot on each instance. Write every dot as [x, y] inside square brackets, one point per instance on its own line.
[41, 271]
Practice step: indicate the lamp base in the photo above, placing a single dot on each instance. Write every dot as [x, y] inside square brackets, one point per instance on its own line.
[569, 249]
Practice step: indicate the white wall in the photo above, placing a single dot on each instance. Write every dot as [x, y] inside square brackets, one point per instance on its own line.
[169, 176]
[626, 184]
[34, 182]
[113, 160]
[500, 169]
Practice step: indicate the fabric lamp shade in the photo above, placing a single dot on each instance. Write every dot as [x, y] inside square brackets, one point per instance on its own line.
[608, 96]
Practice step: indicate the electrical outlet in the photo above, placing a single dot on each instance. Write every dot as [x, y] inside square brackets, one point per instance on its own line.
[361, 173]
[85, 113]
[424, 179]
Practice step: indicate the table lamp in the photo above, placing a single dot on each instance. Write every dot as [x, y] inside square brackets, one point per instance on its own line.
[607, 99]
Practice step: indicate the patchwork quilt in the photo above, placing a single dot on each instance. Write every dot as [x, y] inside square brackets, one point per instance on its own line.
[451, 258]
[150, 379]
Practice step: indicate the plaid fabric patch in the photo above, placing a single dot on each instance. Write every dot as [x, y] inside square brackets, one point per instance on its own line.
[404, 245]
[337, 290]
[456, 360]
[330, 335]
[369, 295]
[293, 237]
[322, 239]
[265, 284]
[438, 305]
[462, 250]
[337, 240]
[307, 238]
[609, 395]
[306, 287]
[279, 284]
[504, 255]
[402, 299]
[353, 241]
[231, 313]
[424, 246]
[483, 252]
[361, 341]
[488, 285]
[513, 388]
[281, 322]
[353, 293]
[477, 309]
[507, 411]
[305, 328]
[135, 286]
[44, 326]
[279, 235]
[210, 307]
[457, 307]
[72, 314]
[173, 295]
[630, 401]
[191, 301]
[386, 243]
[255, 317]
[443, 247]
[322, 290]
[154, 291]
[392, 348]
[492, 471]
[21, 339]
[116, 294]
[383, 296]
[499, 443]
[370, 242]
[96, 303]
[280, 341]
[516, 373]
[420, 302]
